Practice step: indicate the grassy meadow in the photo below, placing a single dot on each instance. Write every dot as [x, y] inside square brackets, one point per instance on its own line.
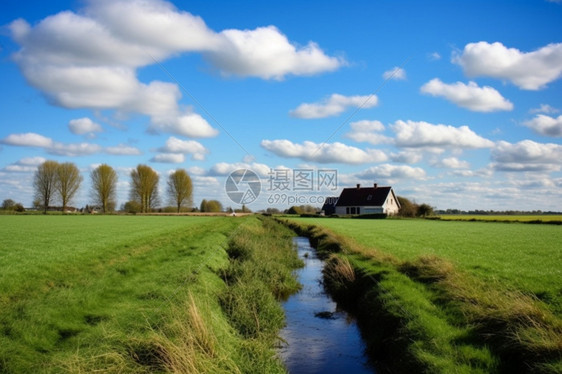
[464, 297]
[542, 218]
[134, 294]
[527, 257]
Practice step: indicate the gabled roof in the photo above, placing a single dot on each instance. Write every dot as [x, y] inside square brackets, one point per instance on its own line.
[364, 196]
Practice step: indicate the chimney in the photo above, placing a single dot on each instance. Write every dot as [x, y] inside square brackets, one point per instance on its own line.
[358, 186]
[375, 185]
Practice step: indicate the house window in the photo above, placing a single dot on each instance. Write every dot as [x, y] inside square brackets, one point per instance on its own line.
[370, 197]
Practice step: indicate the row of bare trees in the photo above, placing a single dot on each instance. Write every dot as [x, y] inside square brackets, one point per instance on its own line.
[61, 181]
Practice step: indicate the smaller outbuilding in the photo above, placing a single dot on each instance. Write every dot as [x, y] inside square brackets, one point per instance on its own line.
[367, 200]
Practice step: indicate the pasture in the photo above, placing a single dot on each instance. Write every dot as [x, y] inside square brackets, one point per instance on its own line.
[527, 257]
[449, 296]
[84, 293]
[142, 294]
[549, 218]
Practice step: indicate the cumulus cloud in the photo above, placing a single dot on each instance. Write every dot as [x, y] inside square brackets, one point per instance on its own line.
[29, 139]
[406, 157]
[451, 163]
[267, 53]
[25, 165]
[423, 135]
[225, 168]
[323, 153]
[184, 147]
[527, 70]
[395, 73]
[333, 106]
[544, 108]
[123, 150]
[65, 149]
[83, 126]
[169, 158]
[469, 96]
[527, 155]
[389, 171]
[546, 125]
[189, 124]
[368, 131]
[89, 59]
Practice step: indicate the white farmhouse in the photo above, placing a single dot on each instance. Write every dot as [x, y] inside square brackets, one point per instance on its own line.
[367, 200]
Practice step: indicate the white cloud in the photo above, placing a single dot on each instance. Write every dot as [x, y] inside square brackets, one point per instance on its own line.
[471, 96]
[65, 149]
[422, 134]
[527, 155]
[177, 146]
[196, 170]
[74, 149]
[527, 70]
[323, 153]
[544, 108]
[29, 139]
[451, 163]
[225, 168]
[434, 56]
[546, 125]
[368, 131]
[82, 126]
[123, 150]
[266, 53]
[406, 157]
[333, 106]
[25, 165]
[189, 124]
[395, 73]
[389, 171]
[89, 59]
[169, 158]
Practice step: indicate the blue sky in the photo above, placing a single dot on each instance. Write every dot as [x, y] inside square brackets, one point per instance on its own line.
[456, 104]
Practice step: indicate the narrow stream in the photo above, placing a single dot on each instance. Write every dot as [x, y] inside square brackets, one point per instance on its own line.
[319, 338]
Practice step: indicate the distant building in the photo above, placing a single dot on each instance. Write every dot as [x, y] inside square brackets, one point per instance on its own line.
[367, 200]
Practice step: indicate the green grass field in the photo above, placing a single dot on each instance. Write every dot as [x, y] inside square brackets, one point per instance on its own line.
[528, 257]
[450, 296]
[132, 294]
[84, 292]
[503, 218]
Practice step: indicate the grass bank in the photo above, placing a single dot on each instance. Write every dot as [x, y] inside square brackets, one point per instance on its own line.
[424, 312]
[125, 294]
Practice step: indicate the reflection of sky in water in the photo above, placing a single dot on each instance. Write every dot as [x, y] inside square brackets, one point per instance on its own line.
[319, 345]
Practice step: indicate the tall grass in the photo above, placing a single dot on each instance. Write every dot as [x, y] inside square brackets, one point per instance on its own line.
[259, 276]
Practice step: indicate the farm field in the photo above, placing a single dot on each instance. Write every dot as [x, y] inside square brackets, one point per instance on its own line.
[502, 218]
[131, 294]
[528, 257]
[448, 296]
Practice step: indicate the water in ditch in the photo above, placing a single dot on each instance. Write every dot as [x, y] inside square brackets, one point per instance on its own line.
[318, 337]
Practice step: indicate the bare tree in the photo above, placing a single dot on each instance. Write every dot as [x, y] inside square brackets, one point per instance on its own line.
[144, 187]
[68, 182]
[104, 187]
[180, 189]
[44, 183]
